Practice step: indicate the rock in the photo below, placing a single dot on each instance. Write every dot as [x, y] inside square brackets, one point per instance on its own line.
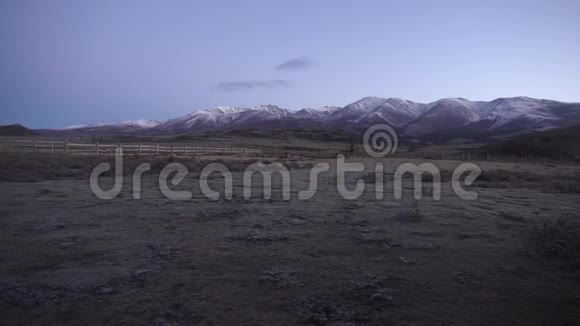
[104, 290]
[259, 237]
[368, 281]
[407, 261]
[383, 295]
[163, 322]
[459, 277]
[142, 271]
[68, 244]
[279, 278]
[414, 244]
[296, 221]
[319, 310]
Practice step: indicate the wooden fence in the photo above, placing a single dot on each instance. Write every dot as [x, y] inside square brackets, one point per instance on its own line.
[182, 149]
[65, 147]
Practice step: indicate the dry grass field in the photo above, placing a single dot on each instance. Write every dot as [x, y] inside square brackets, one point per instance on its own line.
[511, 257]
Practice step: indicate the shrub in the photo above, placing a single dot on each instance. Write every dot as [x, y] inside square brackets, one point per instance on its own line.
[413, 214]
[496, 176]
[553, 237]
[566, 186]
[504, 178]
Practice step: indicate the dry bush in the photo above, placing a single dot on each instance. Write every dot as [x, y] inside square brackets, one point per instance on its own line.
[494, 176]
[37, 167]
[412, 214]
[371, 177]
[551, 237]
[565, 185]
[515, 179]
[28, 167]
[507, 179]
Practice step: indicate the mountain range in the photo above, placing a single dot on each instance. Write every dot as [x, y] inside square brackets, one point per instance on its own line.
[440, 120]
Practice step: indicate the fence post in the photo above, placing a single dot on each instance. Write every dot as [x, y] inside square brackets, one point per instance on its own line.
[52, 147]
[184, 150]
[97, 148]
[34, 145]
[140, 151]
[66, 146]
[156, 149]
[171, 150]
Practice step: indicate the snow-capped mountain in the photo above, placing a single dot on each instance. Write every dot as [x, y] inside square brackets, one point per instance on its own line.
[444, 114]
[369, 110]
[452, 116]
[131, 124]
[223, 117]
[505, 110]
[141, 123]
[320, 114]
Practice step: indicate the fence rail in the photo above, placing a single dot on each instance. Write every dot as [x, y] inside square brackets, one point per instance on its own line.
[191, 150]
[65, 147]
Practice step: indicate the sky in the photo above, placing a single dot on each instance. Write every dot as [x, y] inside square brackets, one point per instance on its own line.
[88, 61]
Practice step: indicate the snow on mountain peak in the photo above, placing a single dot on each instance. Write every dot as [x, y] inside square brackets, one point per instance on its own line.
[504, 110]
[86, 126]
[222, 110]
[268, 107]
[329, 109]
[141, 123]
[411, 117]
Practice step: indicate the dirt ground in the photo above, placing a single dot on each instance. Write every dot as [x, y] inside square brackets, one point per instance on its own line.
[67, 257]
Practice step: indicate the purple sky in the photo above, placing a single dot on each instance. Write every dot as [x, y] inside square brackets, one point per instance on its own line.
[74, 62]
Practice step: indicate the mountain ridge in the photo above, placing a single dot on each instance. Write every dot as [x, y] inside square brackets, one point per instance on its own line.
[506, 115]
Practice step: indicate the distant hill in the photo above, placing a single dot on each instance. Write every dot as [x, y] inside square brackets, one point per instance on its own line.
[563, 142]
[16, 130]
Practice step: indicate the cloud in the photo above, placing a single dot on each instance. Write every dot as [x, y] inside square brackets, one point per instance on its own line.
[253, 84]
[295, 64]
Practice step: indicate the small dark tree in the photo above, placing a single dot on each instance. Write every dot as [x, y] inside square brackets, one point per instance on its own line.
[351, 149]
